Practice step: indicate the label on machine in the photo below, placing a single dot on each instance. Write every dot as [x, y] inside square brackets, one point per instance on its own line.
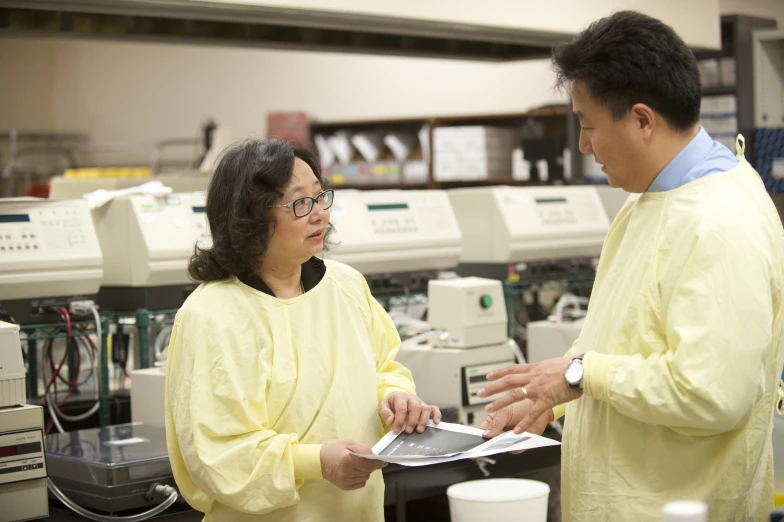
[474, 378]
[22, 456]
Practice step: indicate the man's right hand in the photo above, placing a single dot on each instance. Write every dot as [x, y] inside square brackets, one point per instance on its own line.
[507, 418]
[344, 469]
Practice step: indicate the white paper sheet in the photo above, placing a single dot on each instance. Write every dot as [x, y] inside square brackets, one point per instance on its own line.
[435, 447]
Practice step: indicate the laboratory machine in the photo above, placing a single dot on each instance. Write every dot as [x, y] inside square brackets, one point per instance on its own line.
[62, 187]
[613, 200]
[147, 242]
[49, 257]
[411, 233]
[468, 339]
[508, 224]
[113, 469]
[551, 338]
[148, 388]
[555, 336]
[23, 466]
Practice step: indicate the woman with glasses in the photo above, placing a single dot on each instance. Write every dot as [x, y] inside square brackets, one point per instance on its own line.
[281, 365]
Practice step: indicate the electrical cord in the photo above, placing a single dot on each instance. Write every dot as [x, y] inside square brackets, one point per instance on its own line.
[161, 343]
[51, 395]
[53, 379]
[76, 418]
[155, 489]
[80, 308]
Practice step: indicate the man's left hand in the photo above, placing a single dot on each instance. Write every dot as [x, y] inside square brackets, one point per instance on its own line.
[398, 406]
[543, 383]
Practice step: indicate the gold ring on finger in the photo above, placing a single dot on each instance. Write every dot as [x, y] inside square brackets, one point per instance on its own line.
[525, 392]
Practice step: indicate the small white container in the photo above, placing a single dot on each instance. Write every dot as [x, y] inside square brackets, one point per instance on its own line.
[497, 500]
[685, 511]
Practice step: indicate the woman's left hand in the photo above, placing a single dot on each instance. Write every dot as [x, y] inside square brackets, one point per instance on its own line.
[397, 406]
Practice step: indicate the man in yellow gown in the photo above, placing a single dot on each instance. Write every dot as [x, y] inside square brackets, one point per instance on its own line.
[672, 384]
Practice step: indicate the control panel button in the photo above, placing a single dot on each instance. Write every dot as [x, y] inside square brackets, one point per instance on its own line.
[486, 301]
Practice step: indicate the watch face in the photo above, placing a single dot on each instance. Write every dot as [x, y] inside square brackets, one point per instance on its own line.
[574, 372]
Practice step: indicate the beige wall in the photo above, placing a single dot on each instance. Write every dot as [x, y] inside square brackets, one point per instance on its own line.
[26, 84]
[134, 91]
[130, 90]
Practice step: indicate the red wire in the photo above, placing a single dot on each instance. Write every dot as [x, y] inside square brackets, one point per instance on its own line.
[70, 384]
[56, 373]
[67, 320]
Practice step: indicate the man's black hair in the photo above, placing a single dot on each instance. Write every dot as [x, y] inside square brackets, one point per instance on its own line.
[631, 58]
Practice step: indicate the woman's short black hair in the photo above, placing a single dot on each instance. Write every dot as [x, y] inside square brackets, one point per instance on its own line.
[631, 58]
[249, 178]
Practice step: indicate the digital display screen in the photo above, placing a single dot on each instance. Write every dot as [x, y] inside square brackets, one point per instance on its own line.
[20, 449]
[389, 206]
[200, 210]
[544, 201]
[14, 218]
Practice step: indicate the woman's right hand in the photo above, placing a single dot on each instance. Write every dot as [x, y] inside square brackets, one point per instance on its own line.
[345, 470]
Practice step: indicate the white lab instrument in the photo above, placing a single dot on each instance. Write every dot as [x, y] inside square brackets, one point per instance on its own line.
[516, 224]
[147, 242]
[612, 200]
[49, 256]
[389, 231]
[148, 388]
[452, 367]
[550, 339]
[470, 309]
[23, 469]
[12, 370]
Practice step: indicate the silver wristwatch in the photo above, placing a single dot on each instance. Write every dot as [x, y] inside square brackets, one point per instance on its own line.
[574, 373]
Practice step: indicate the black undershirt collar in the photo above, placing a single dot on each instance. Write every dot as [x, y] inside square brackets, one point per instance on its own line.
[313, 271]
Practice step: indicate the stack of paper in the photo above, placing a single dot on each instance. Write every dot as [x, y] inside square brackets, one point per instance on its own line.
[446, 442]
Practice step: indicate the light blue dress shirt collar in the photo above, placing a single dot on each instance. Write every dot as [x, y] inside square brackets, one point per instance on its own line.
[701, 157]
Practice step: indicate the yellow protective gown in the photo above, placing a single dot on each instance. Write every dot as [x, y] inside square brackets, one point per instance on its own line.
[255, 385]
[683, 352]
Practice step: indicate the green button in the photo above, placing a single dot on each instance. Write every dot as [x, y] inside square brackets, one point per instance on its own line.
[486, 301]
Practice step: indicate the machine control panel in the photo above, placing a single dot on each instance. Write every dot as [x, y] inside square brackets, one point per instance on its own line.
[43, 228]
[397, 218]
[48, 249]
[520, 224]
[474, 378]
[555, 211]
[22, 456]
[385, 231]
[203, 235]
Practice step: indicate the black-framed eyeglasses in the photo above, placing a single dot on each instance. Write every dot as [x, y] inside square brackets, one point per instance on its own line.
[303, 206]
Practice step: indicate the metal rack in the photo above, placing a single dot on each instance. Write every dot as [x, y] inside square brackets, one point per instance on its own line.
[144, 321]
[38, 332]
